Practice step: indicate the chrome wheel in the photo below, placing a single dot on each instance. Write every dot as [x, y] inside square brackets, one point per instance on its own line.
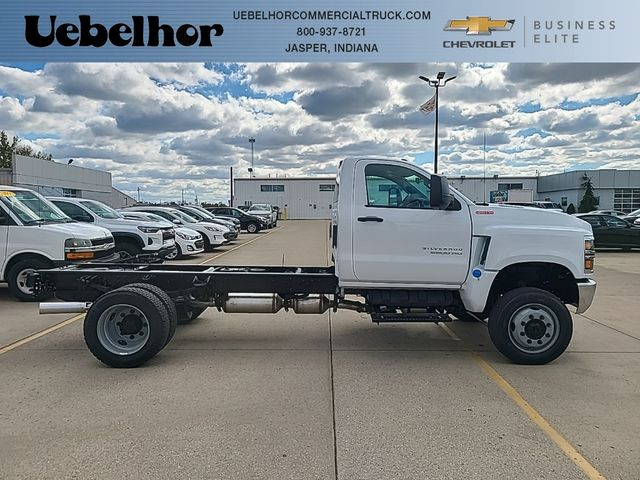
[534, 328]
[21, 281]
[123, 329]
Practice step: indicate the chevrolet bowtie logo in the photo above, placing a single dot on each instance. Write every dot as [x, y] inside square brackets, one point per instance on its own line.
[479, 25]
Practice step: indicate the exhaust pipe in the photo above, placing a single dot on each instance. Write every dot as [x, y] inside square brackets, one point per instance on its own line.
[272, 303]
[63, 307]
[257, 303]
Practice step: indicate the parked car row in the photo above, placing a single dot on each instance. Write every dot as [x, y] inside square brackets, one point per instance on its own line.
[610, 231]
[38, 233]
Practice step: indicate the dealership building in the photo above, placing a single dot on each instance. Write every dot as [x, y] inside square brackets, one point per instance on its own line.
[311, 197]
[53, 179]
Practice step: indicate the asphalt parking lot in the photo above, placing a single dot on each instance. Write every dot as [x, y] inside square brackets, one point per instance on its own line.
[324, 396]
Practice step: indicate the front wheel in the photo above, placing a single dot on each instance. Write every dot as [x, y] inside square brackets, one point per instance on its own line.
[252, 227]
[128, 249]
[17, 279]
[530, 326]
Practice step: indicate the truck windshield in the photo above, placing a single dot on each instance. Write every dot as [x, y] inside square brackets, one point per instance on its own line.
[32, 208]
[101, 210]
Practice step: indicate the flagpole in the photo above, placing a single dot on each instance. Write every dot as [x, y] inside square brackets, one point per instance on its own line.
[435, 155]
[484, 174]
[435, 84]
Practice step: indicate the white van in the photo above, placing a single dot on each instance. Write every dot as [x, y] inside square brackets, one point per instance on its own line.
[34, 234]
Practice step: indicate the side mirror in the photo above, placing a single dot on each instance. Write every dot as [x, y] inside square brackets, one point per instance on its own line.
[82, 218]
[177, 222]
[440, 199]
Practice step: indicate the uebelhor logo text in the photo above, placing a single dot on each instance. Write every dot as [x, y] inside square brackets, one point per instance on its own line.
[120, 34]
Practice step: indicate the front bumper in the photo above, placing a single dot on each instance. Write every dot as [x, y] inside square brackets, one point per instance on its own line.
[586, 292]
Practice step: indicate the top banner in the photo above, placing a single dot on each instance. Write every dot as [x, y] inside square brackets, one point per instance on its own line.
[327, 31]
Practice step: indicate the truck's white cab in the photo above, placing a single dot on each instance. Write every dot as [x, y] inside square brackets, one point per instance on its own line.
[402, 238]
[34, 234]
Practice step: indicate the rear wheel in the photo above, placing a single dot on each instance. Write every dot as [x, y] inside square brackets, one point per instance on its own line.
[166, 302]
[530, 326]
[126, 327]
[252, 227]
[17, 279]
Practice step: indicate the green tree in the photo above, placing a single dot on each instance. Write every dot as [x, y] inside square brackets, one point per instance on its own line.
[13, 145]
[571, 209]
[589, 201]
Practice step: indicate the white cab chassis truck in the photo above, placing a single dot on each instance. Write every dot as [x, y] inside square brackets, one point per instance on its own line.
[406, 248]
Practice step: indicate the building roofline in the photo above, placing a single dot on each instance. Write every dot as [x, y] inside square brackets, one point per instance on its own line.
[279, 179]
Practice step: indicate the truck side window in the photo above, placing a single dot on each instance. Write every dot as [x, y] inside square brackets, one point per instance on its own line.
[397, 187]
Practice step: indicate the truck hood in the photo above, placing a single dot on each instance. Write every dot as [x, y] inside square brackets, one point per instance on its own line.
[77, 230]
[490, 217]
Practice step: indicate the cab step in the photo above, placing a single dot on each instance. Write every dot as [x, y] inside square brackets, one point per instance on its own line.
[410, 317]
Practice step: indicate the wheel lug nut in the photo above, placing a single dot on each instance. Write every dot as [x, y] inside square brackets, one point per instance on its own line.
[522, 323]
[539, 342]
[530, 317]
[131, 337]
[548, 325]
[548, 335]
[529, 341]
[522, 334]
[141, 333]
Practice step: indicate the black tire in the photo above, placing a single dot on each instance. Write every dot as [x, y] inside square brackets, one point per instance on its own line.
[166, 302]
[16, 279]
[207, 243]
[253, 227]
[129, 248]
[530, 326]
[464, 316]
[188, 314]
[157, 326]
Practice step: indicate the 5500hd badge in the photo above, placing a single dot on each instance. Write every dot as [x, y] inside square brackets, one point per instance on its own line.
[141, 32]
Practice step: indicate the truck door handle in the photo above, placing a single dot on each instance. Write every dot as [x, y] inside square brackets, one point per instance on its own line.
[370, 219]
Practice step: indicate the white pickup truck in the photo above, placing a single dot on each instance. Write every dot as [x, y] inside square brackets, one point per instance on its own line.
[406, 248]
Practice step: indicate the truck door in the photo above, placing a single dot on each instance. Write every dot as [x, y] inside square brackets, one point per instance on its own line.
[397, 236]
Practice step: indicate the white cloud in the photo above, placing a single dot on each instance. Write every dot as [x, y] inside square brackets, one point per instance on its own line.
[165, 127]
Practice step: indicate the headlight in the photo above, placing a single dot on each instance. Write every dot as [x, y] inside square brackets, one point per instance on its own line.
[149, 229]
[77, 243]
[589, 255]
[212, 229]
[187, 237]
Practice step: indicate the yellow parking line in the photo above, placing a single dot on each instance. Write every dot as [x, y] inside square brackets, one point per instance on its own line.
[552, 434]
[240, 246]
[555, 436]
[42, 333]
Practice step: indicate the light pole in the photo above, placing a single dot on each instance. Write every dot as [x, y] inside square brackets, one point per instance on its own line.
[437, 84]
[251, 141]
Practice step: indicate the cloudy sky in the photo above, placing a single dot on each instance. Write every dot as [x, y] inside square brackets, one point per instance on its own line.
[167, 127]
